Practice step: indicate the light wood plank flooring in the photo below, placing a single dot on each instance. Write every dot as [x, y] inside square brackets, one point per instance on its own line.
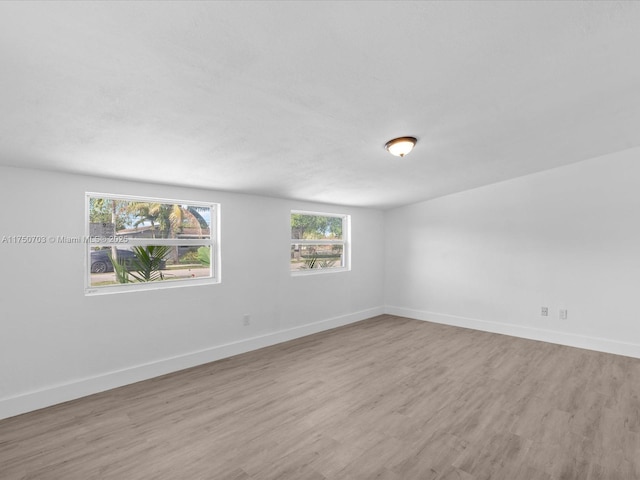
[387, 398]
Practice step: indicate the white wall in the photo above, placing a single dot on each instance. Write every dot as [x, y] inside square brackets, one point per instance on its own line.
[488, 258]
[491, 257]
[57, 344]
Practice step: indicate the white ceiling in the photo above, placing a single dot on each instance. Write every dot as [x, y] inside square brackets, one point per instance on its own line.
[297, 99]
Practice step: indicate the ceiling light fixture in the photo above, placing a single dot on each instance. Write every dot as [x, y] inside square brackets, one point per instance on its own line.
[400, 146]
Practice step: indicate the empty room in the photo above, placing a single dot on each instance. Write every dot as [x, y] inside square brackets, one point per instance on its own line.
[295, 240]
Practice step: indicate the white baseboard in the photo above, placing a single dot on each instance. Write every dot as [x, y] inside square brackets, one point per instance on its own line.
[551, 336]
[55, 394]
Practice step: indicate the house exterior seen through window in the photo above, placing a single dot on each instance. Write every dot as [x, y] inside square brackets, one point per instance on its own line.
[319, 242]
[138, 243]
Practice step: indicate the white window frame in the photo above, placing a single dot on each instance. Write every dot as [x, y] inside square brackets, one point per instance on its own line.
[213, 242]
[345, 242]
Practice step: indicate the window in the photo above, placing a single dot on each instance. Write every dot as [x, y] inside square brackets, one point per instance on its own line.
[319, 242]
[136, 243]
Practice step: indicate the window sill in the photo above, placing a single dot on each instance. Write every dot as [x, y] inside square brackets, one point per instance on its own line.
[319, 271]
[140, 287]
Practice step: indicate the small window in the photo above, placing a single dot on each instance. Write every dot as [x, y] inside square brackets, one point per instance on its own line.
[136, 243]
[319, 242]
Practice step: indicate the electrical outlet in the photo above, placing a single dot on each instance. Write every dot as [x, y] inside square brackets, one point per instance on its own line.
[246, 319]
[563, 314]
[544, 311]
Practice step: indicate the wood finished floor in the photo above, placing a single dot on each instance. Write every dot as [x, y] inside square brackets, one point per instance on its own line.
[387, 398]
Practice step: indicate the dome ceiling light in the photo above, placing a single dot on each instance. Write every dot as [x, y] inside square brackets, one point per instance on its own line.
[400, 146]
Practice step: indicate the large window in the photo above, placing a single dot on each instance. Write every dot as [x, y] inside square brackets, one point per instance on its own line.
[136, 243]
[319, 242]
